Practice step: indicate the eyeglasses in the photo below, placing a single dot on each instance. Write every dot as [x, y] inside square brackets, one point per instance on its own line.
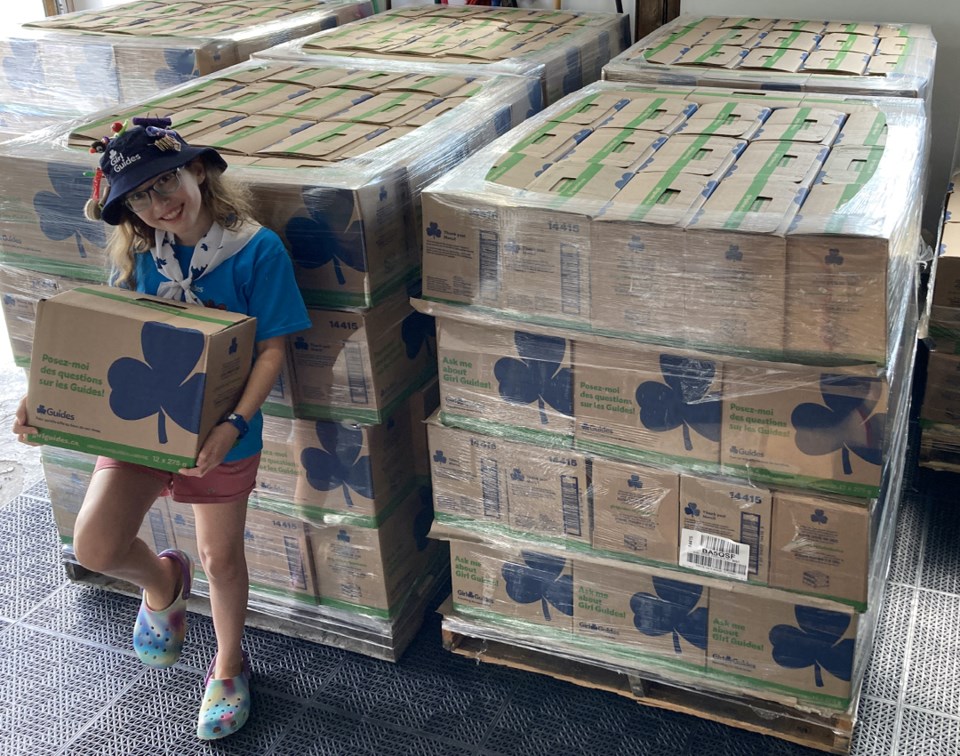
[164, 186]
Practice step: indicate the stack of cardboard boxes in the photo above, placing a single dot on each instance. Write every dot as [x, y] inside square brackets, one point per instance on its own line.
[676, 331]
[82, 62]
[784, 54]
[564, 50]
[940, 411]
[336, 156]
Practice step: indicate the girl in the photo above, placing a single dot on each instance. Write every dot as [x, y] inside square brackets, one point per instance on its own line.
[182, 233]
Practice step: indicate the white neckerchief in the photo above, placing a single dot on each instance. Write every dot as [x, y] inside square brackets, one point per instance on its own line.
[217, 245]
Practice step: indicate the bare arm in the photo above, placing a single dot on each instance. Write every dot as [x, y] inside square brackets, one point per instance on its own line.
[263, 375]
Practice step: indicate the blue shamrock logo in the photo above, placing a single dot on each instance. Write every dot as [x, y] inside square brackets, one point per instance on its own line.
[624, 180]
[537, 375]
[815, 643]
[511, 246]
[439, 456]
[819, 517]
[845, 423]
[517, 475]
[181, 66]
[635, 481]
[232, 349]
[418, 331]
[423, 519]
[343, 535]
[42, 409]
[339, 464]
[502, 121]
[8, 301]
[671, 610]
[61, 211]
[692, 509]
[329, 234]
[540, 578]
[383, 193]
[434, 230]
[159, 385]
[572, 77]
[682, 400]
[833, 257]
[636, 244]
[23, 69]
[300, 343]
[734, 254]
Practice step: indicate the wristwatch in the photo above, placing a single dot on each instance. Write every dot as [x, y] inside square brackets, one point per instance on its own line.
[238, 422]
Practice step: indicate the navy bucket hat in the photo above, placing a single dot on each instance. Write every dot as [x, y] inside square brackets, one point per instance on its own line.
[138, 154]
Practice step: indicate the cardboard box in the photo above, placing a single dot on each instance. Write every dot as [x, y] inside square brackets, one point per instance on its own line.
[276, 548]
[89, 393]
[422, 404]
[67, 475]
[735, 517]
[374, 570]
[806, 649]
[505, 377]
[821, 546]
[648, 404]
[665, 618]
[806, 427]
[941, 400]
[360, 366]
[535, 491]
[526, 591]
[635, 510]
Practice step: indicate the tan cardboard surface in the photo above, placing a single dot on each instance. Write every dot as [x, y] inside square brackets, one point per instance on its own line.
[797, 162]
[785, 59]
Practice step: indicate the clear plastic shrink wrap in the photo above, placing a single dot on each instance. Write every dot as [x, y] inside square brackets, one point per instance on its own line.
[564, 50]
[676, 331]
[93, 59]
[783, 54]
[336, 158]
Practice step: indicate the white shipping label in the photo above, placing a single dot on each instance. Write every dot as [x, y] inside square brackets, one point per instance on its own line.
[714, 554]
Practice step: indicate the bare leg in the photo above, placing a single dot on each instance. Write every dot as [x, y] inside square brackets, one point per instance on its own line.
[105, 538]
[220, 542]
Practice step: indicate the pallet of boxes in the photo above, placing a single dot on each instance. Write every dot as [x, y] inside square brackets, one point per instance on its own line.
[940, 411]
[676, 333]
[335, 156]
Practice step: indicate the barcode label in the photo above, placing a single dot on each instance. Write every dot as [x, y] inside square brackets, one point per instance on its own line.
[489, 264]
[714, 554]
[570, 278]
[355, 374]
[298, 576]
[750, 535]
[159, 530]
[490, 488]
[570, 500]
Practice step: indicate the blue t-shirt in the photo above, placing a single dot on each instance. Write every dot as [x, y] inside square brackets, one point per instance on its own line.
[258, 280]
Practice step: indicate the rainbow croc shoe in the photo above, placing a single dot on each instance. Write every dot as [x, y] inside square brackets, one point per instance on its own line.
[226, 703]
[158, 634]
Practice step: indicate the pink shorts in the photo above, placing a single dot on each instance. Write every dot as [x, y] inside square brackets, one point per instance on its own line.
[227, 482]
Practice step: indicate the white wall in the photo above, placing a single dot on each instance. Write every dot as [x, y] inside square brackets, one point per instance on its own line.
[942, 15]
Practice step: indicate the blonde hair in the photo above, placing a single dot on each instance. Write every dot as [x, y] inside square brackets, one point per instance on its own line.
[228, 202]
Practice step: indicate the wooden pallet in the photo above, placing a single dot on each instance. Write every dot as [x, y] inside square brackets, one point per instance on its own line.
[384, 639]
[830, 733]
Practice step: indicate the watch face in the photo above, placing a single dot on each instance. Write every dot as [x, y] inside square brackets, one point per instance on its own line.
[239, 423]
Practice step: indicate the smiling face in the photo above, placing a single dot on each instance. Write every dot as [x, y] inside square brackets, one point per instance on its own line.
[182, 213]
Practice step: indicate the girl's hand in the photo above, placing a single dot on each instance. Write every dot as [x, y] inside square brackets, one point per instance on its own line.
[20, 426]
[214, 449]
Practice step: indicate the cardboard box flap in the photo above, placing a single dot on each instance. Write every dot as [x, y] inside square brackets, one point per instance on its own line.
[849, 43]
[746, 22]
[773, 59]
[705, 155]
[714, 56]
[322, 140]
[892, 46]
[734, 37]
[305, 76]
[864, 126]
[386, 108]
[836, 62]
[371, 81]
[379, 136]
[792, 25]
[847, 27]
[729, 119]
[319, 104]
[792, 39]
[833, 209]
[660, 198]
[249, 135]
[883, 65]
[851, 165]
[787, 161]
[552, 140]
[593, 181]
[428, 84]
[746, 204]
[802, 124]
[664, 114]
[666, 55]
[516, 169]
[255, 98]
[192, 122]
[594, 109]
[620, 147]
